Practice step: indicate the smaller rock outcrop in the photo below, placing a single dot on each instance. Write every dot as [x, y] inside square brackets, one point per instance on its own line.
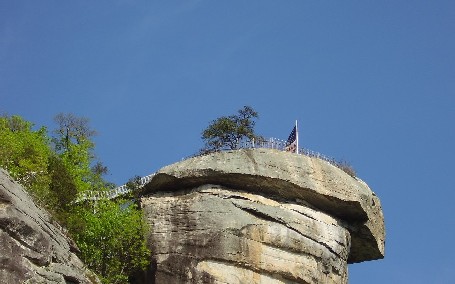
[33, 249]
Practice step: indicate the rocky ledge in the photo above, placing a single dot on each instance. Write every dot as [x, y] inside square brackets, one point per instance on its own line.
[259, 216]
[33, 249]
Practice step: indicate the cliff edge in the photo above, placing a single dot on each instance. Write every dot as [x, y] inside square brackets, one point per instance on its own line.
[33, 249]
[259, 216]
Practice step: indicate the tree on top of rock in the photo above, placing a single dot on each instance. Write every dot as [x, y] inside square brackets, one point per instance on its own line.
[226, 132]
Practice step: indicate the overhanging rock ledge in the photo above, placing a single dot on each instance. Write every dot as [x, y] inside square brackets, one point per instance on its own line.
[277, 188]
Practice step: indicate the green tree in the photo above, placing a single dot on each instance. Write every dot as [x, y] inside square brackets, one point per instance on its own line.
[71, 130]
[111, 237]
[97, 180]
[62, 186]
[134, 185]
[77, 159]
[227, 132]
[73, 143]
[110, 234]
[25, 153]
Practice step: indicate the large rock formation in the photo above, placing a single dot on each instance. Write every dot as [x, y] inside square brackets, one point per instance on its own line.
[259, 216]
[33, 249]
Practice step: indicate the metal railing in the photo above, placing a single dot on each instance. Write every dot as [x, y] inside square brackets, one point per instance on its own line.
[274, 143]
[271, 143]
[113, 193]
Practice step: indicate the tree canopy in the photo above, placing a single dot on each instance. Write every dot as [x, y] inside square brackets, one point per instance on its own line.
[227, 132]
[109, 233]
[110, 236]
[71, 129]
[25, 153]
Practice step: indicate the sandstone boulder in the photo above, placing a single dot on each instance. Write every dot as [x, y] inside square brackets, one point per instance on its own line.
[33, 248]
[260, 216]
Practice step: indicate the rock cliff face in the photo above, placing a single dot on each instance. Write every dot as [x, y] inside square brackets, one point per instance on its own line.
[259, 216]
[32, 249]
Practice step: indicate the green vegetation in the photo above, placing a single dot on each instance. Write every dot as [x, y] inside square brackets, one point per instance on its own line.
[55, 170]
[227, 131]
[25, 154]
[111, 239]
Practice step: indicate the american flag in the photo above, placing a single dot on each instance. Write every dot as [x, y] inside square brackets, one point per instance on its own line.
[291, 143]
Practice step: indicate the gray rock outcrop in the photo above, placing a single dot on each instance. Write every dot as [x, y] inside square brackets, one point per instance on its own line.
[259, 216]
[33, 249]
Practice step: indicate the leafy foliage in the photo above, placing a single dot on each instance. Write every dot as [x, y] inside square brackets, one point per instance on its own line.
[25, 153]
[62, 185]
[134, 184]
[110, 234]
[226, 132]
[111, 238]
[72, 142]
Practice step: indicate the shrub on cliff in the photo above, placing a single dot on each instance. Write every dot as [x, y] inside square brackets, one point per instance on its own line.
[347, 168]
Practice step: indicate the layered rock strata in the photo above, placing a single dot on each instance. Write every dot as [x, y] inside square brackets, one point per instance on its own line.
[259, 216]
[33, 249]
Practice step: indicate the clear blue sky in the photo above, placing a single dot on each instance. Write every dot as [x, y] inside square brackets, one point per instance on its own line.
[371, 82]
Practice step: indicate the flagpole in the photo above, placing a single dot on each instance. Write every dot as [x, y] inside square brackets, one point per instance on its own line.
[296, 138]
